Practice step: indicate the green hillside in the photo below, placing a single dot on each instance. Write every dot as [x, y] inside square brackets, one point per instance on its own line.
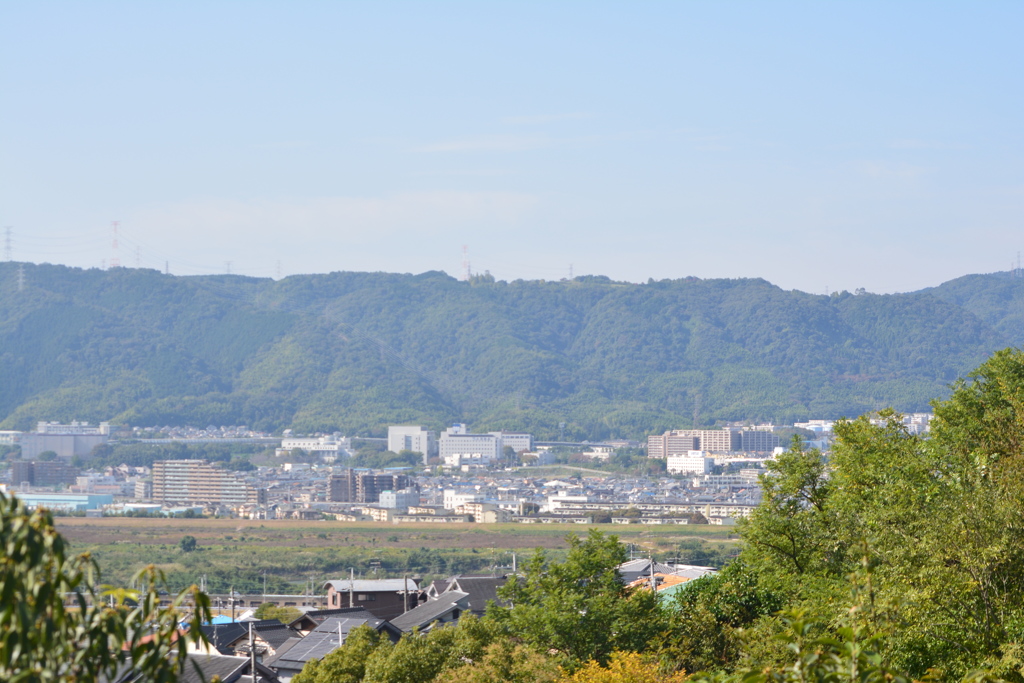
[357, 351]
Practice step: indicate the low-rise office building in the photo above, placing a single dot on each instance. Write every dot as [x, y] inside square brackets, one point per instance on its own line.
[66, 440]
[67, 502]
[694, 462]
[402, 499]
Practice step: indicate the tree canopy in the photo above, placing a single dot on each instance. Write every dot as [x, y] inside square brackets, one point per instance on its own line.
[56, 626]
[357, 351]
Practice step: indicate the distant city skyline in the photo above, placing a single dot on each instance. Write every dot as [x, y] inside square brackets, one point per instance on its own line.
[819, 146]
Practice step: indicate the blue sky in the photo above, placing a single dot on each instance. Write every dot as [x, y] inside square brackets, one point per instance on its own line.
[821, 145]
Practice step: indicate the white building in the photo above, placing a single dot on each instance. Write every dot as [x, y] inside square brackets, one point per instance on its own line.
[457, 441]
[412, 438]
[517, 441]
[562, 498]
[75, 428]
[454, 499]
[819, 426]
[331, 445]
[402, 499]
[465, 459]
[77, 438]
[694, 462]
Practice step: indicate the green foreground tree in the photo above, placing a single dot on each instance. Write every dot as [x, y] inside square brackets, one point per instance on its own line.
[579, 609]
[941, 517]
[56, 626]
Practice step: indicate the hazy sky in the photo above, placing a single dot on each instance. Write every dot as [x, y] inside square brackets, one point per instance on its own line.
[817, 145]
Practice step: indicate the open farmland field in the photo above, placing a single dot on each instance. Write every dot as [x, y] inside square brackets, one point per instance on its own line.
[236, 553]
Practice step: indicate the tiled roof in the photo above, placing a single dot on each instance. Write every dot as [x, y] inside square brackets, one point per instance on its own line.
[480, 589]
[297, 651]
[228, 668]
[423, 615]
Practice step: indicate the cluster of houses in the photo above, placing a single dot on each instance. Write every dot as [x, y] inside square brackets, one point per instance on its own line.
[277, 651]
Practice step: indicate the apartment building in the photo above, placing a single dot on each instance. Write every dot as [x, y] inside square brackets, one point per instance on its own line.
[671, 443]
[52, 473]
[679, 441]
[758, 440]
[364, 487]
[199, 483]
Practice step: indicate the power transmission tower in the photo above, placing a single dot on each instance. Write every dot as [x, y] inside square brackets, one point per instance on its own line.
[7, 243]
[21, 277]
[115, 257]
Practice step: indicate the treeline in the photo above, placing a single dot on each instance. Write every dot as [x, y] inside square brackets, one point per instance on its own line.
[355, 352]
[899, 558]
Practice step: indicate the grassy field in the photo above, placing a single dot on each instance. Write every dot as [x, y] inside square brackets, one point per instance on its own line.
[238, 552]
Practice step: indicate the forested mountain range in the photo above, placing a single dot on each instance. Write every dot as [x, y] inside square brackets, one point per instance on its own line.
[355, 352]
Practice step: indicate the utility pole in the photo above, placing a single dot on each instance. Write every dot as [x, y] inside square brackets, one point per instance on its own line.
[351, 585]
[252, 653]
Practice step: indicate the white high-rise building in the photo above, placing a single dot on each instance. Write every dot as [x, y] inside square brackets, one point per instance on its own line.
[455, 441]
[517, 441]
[412, 438]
